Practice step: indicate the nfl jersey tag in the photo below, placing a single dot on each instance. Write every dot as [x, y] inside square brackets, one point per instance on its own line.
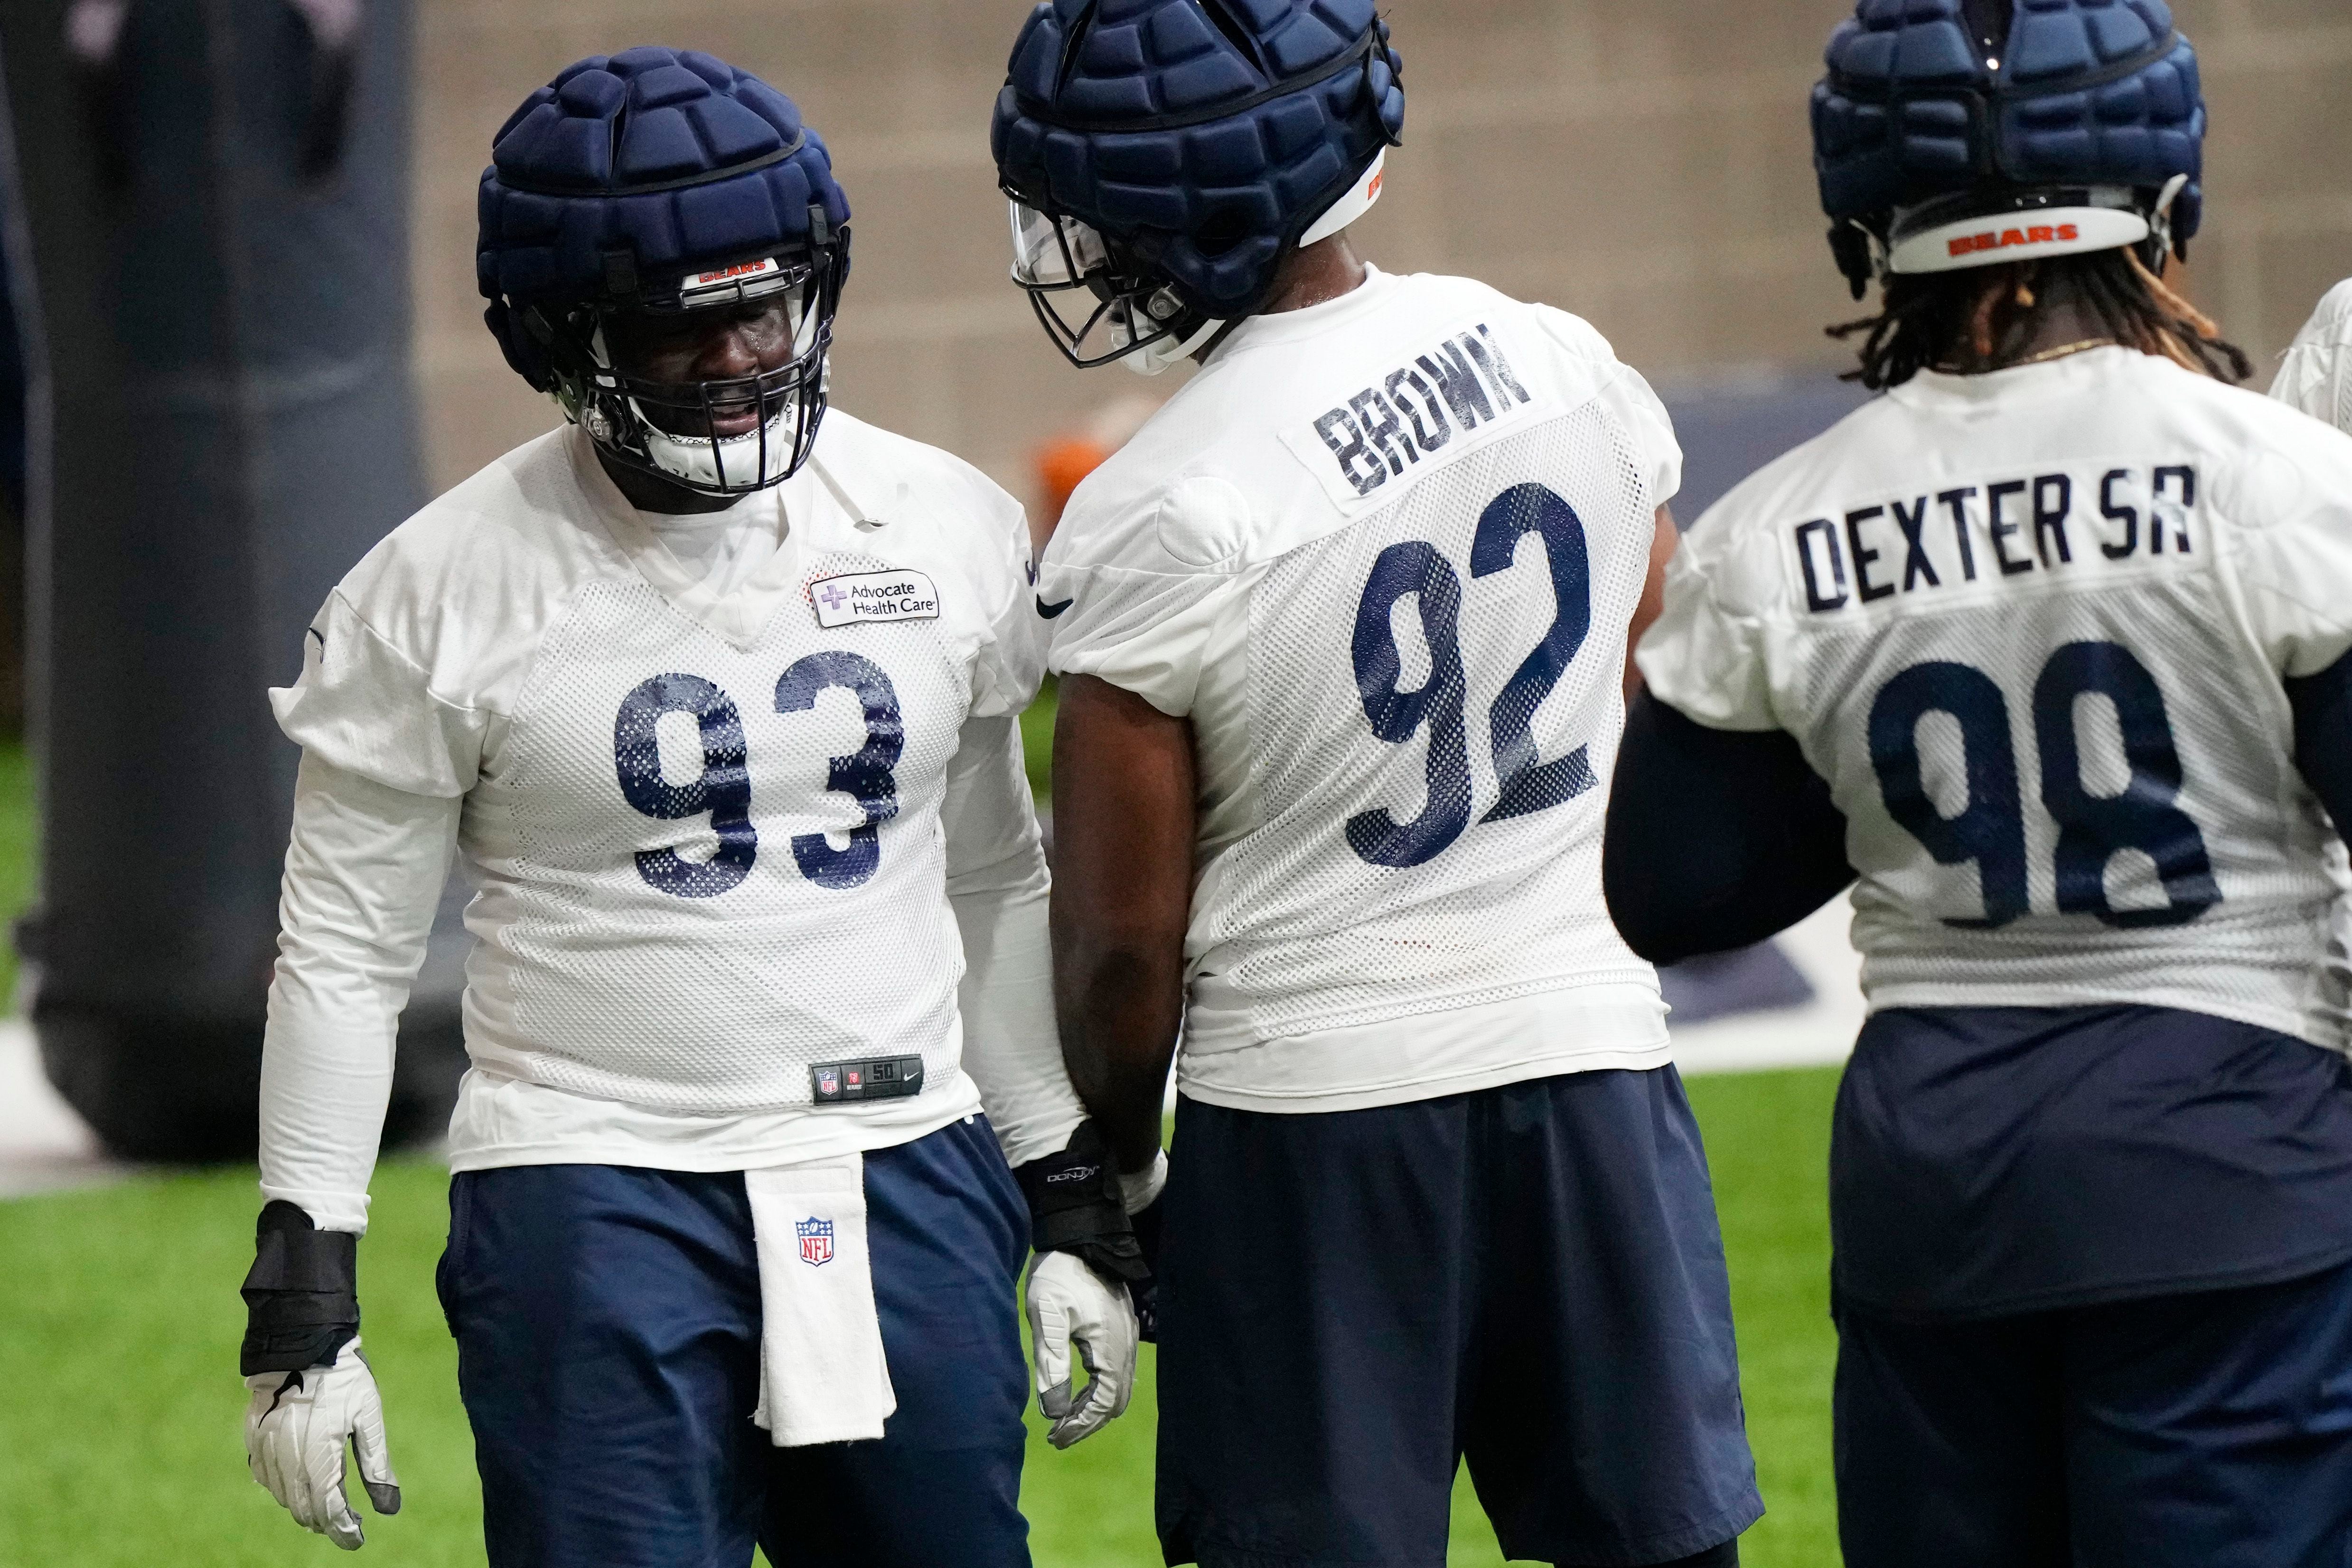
[874, 596]
[884, 1078]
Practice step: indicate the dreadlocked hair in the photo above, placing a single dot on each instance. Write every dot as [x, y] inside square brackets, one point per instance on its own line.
[1972, 321]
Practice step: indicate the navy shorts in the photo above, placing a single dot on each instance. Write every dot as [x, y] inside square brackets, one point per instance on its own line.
[1531, 1276]
[2212, 1430]
[608, 1335]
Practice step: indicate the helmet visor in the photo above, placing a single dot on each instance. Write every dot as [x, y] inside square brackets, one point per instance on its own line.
[1097, 305]
[1055, 252]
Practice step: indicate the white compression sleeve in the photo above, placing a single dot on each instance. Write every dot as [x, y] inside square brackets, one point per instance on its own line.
[998, 885]
[363, 876]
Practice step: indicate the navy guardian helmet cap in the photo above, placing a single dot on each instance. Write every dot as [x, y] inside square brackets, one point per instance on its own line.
[1164, 157]
[1958, 134]
[663, 183]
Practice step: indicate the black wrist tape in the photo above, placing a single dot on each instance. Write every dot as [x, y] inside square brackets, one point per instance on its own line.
[302, 1299]
[1075, 1206]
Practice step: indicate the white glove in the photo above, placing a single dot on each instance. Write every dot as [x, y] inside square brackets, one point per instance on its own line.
[1141, 1191]
[295, 1428]
[1071, 1305]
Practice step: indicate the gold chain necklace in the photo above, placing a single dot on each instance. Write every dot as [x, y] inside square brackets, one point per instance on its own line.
[2061, 353]
[2044, 357]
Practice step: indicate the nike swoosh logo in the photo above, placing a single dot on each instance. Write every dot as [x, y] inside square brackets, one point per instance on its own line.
[1051, 611]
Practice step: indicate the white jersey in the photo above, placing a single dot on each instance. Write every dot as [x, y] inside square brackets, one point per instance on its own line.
[2031, 627]
[2317, 373]
[2316, 376]
[1383, 553]
[702, 807]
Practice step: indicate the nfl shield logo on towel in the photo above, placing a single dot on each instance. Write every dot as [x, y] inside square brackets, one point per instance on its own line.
[816, 1240]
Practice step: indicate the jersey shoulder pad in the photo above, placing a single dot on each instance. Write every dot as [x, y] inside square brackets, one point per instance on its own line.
[1573, 333]
[1140, 566]
[470, 541]
[2272, 463]
[943, 516]
[479, 570]
[1181, 526]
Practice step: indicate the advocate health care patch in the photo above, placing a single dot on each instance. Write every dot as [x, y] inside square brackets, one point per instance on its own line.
[874, 596]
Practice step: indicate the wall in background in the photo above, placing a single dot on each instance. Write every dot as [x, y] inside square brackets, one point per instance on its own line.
[1642, 163]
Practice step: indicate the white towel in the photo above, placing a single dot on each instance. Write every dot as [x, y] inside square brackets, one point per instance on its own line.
[823, 1376]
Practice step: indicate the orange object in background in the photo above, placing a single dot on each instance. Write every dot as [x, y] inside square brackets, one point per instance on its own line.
[1062, 464]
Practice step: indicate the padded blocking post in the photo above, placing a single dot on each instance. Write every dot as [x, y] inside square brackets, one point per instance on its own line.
[224, 314]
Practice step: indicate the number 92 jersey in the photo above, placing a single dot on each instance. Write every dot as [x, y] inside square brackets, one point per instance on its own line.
[1383, 553]
[703, 814]
[2033, 627]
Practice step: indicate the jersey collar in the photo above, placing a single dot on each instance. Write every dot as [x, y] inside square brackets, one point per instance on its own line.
[1299, 326]
[736, 616]
[1936, 390]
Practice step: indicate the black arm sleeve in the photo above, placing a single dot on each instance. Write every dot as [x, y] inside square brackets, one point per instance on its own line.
[302, 1298]
[1075, 1206]
[2323, 737]
[1717, 839]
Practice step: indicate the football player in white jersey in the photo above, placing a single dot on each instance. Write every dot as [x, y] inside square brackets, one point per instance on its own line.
[715, 696]
[2047, 646]
[1342, 633]
[2315, 375]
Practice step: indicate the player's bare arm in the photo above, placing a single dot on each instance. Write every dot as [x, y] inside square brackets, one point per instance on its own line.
[1662, 545]
[1123, 830]
[1342, 637]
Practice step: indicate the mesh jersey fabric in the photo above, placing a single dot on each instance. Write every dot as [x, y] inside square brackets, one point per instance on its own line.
[364, 867]
[705, 828]
[1423, 509]
[2031, 626]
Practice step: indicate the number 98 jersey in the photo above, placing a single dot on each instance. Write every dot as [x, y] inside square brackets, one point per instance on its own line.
[2032, 628]
[1383, 553]
[703, 814]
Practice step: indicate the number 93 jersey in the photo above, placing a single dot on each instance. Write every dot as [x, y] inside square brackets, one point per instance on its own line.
[1383, 553]
[2032, 628]
[703, 813]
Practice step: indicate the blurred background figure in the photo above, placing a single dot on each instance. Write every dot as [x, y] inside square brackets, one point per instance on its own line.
[215, 284]
[2317, 373]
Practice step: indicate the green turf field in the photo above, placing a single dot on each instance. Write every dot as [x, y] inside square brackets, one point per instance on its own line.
[119, 1400]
